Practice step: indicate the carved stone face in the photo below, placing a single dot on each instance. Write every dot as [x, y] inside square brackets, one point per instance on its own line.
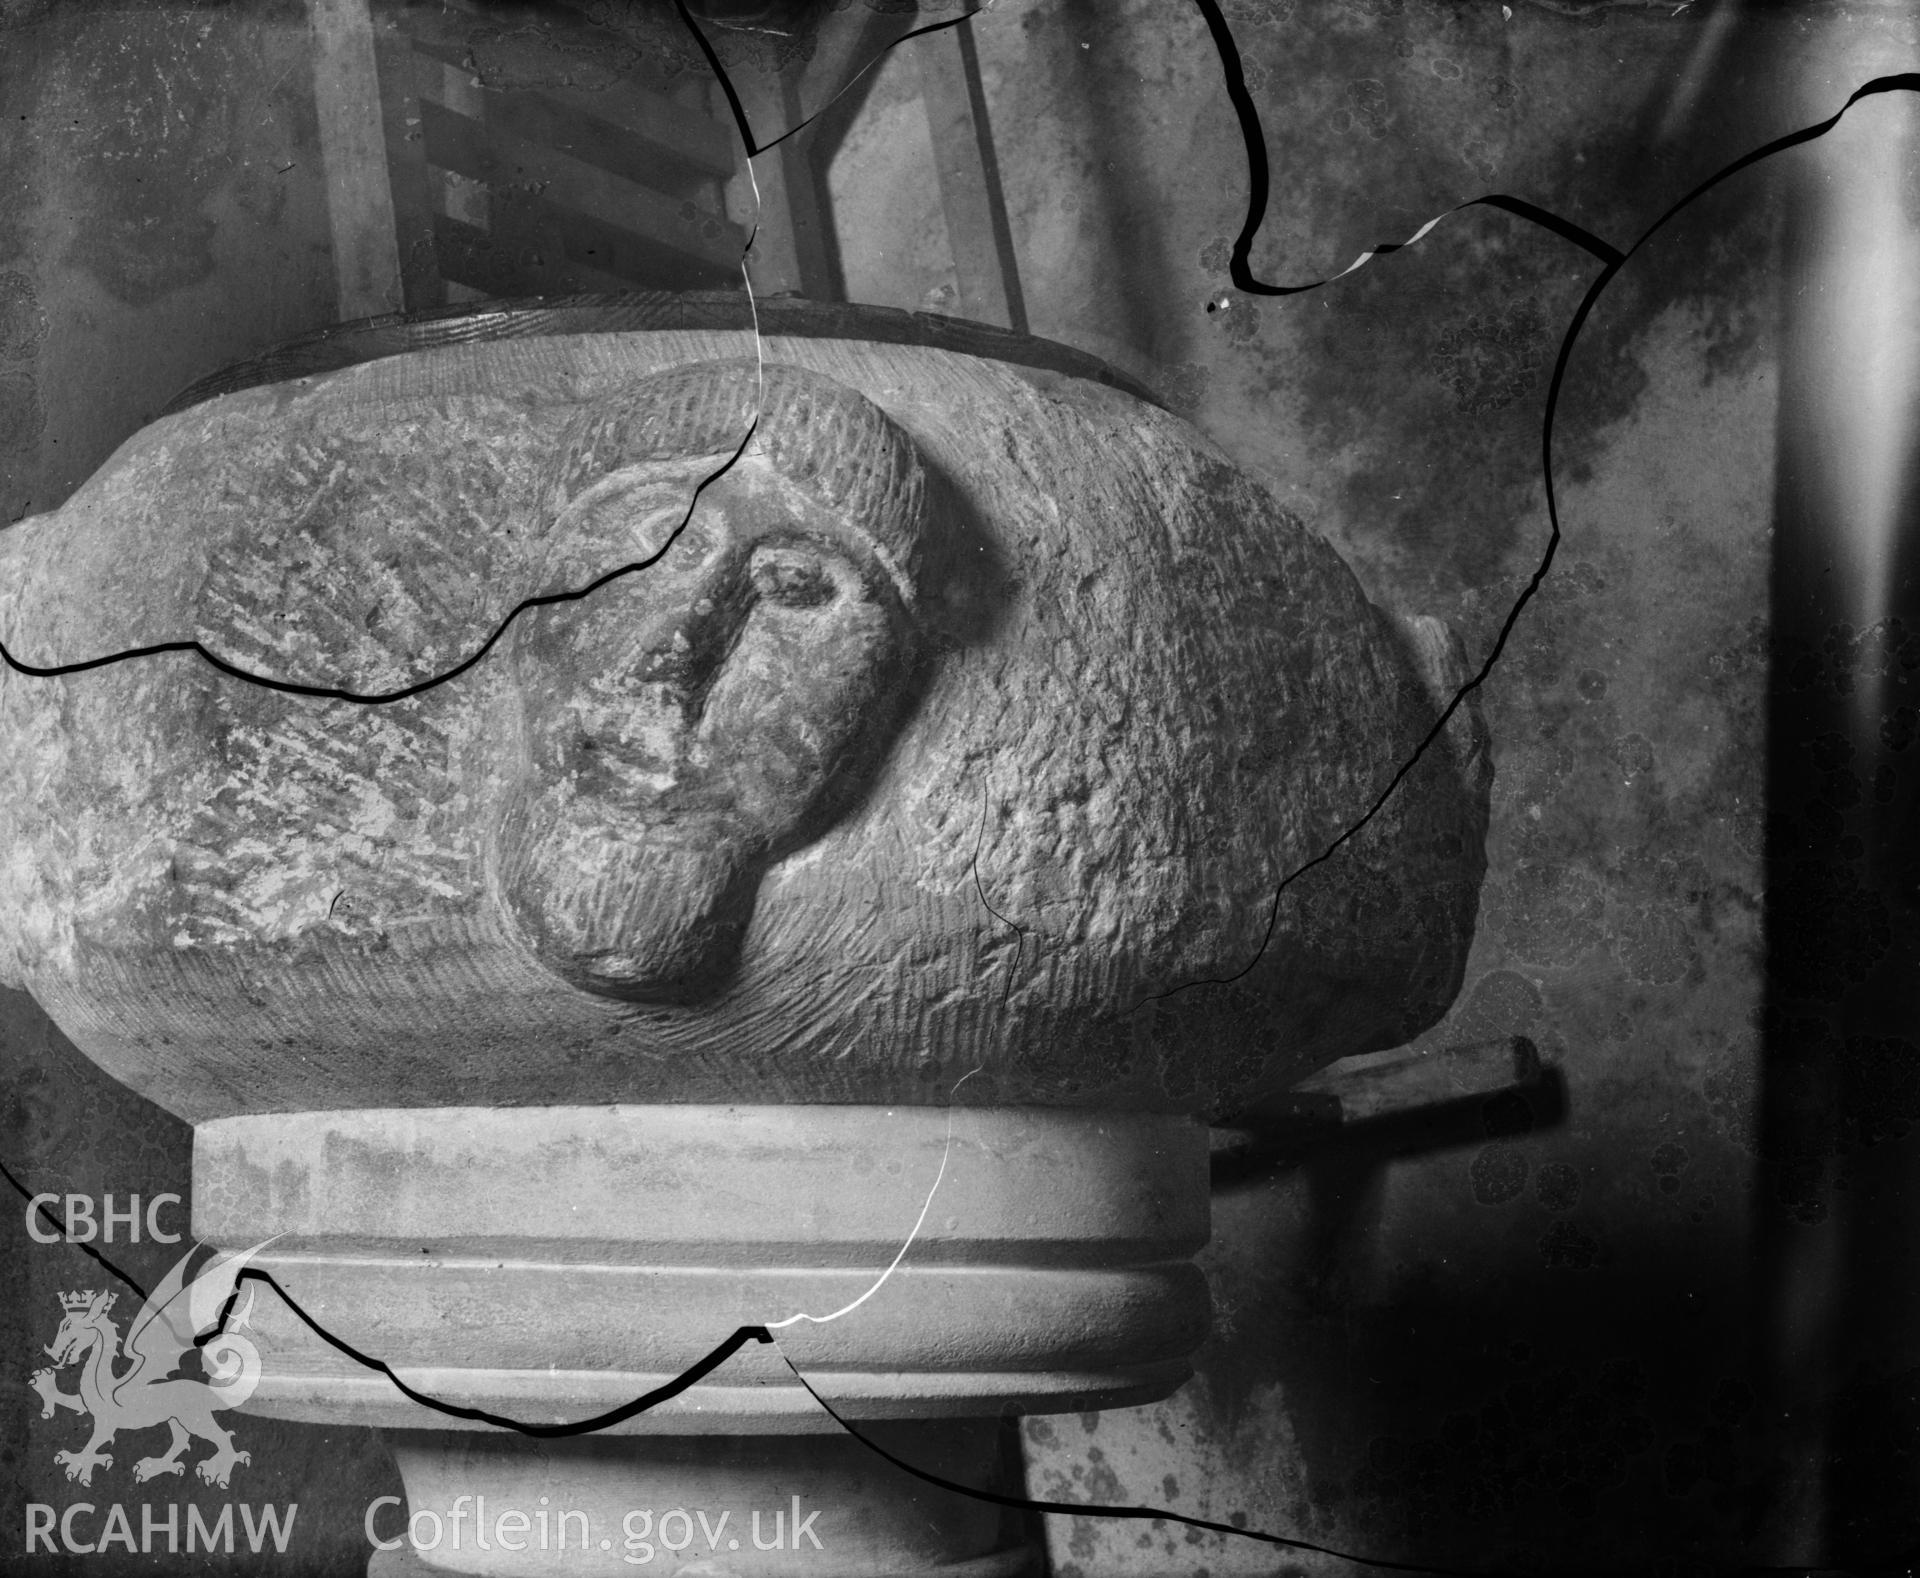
[690, 722]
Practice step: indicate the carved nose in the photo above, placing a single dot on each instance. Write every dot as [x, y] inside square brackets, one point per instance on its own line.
[671, 656]
[685, 649]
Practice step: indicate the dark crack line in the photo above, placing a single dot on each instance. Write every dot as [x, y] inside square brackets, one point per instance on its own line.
[1254, 137]
[696, 1372]
[59, 1227]
[755, 148]
[1019, 931]
[689, 1377]
[1902, 82]
[1096, 1510]
[386, 698]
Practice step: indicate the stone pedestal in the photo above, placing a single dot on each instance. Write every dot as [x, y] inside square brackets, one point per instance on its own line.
[551, 1264]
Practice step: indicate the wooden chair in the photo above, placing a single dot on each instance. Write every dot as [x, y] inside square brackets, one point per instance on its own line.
[446, 185]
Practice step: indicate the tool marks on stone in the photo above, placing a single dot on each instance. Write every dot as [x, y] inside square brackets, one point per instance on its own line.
[402, 692]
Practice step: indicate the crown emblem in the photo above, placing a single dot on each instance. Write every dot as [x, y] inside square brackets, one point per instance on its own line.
[147, 1392]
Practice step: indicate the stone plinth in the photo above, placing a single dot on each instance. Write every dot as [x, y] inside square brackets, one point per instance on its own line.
[551, 1264]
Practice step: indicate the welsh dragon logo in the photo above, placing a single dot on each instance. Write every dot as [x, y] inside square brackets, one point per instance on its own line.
[149, 1392]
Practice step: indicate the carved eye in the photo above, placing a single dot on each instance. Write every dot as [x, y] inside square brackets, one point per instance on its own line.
[792, 577]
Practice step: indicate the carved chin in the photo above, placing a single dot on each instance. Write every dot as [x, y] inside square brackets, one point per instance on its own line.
[630, 914]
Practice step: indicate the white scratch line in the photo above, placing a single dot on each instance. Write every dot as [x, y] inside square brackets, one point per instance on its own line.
[746, 277]
[945, 1157]
[1371, 253]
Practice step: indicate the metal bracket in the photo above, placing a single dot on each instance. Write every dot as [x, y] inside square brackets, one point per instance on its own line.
[1393, 1103]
